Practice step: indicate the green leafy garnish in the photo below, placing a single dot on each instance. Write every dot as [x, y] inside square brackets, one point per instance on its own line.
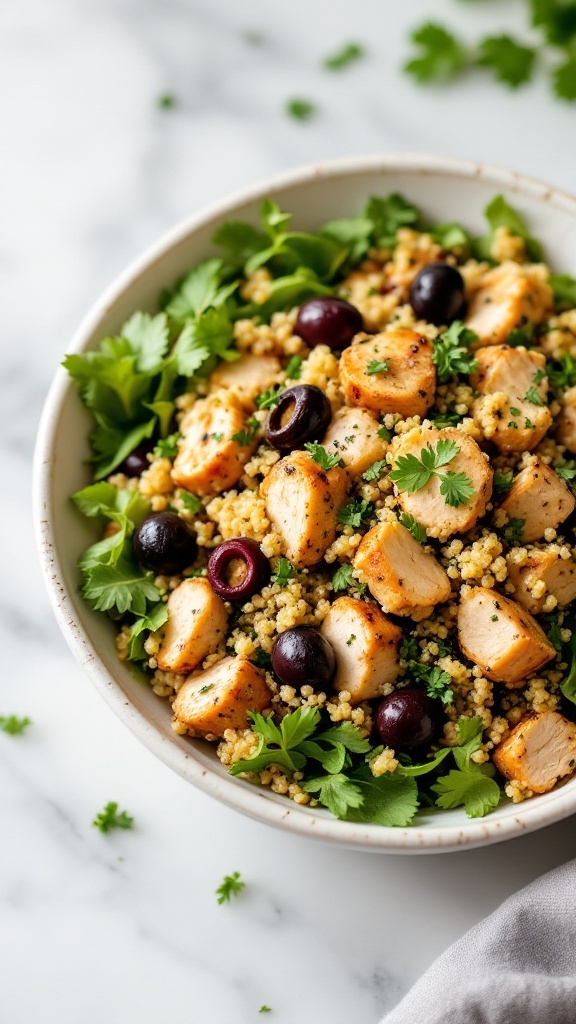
[265, 1009]
[511, 62]
[109, 818]
[119, 588]
[533, 397]
[13, 725]
[561, 372]
[377, 366]
[167, 101]
[344, 578]
[450, 418]
[441, 54]
[502, 482]
[438, 682]
[321, 456]
[246, 437]
[349, 54]
[300, 109]
[499, 213]
[293, 368]
[191, 502]
[384, 432]
[564, 288]
[167, 447]
[452, 236]
[417, 531]
[451, 351]
[513, 530]
[231, 885]
[567, 471]
[355, 513]
[474, 789]
[524, 334]
[412, 473]
[284, 571]
[267, 399]
[374, 472]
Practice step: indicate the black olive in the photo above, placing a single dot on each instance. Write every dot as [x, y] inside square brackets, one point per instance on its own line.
[302, 656]
[164, 543]
[327, 320]
[302, 414]
[407, 718]
[437, 294]
[254, 575]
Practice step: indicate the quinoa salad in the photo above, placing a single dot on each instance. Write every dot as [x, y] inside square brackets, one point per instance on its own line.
[333, 507]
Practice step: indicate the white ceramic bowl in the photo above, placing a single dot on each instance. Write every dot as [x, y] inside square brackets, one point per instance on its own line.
[445, 190]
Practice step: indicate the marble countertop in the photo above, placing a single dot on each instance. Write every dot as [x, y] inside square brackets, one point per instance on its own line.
[125, 927]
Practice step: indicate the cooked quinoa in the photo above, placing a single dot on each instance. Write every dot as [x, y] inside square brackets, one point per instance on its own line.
[457, 392]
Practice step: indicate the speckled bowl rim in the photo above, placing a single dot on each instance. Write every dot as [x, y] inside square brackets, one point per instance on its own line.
[532, 815]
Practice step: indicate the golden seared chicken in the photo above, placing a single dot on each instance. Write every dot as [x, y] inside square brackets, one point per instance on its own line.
[391, 372]
[510, 294]
[539, 750]
[197, 620]
[399, 573]
[209, 459]
[220, 698]
[353, 435]
[540, 498]
[366, 645]
[512, 410]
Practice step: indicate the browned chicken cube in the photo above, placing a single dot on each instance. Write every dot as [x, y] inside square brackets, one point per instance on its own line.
[509, 295]
[542, 574]
[501, 637]
[353, 435]
[566, 421]
[221, 697]
[366, 645]
[248, 375]
[196, 625]
[428, 505]
[302, 501]
[539, 750]
[399, 573]
[209, 460]
[512, 408]
[406, 386]
[540, 498]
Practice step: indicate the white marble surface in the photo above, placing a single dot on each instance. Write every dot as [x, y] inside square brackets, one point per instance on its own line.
[125, 928]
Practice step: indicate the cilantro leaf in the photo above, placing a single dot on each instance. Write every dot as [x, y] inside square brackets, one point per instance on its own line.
[231, 885]
[344, 577]
[418, 532]
[203, 340]
[567, 471]
[14, 726]
[284, 571]
[200, 290]
[474, 789]
[374, 472]
[148, 336]
[321, 456]
[347, 735]
[441, 54]
[119, 588]
[153, 620]
[533, 397]
[451, 353]
[388, 214]
[349, 54]
[268, 398]
[378, 366]
[438, 683]
[469, 731]
[391, 799]
[411, 474]
[457, 488]
[354, 513]
[511, 62]
[109, 818]
[239, 240]
[336, 792]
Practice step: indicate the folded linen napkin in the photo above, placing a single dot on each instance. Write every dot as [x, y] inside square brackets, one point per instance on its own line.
[518, 966]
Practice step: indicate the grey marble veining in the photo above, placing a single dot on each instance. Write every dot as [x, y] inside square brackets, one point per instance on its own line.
[125, 928]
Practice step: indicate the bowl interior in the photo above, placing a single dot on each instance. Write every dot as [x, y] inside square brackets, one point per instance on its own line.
[444, 191]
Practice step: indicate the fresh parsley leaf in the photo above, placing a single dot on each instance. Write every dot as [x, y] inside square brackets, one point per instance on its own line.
[457, 488]
[374, 472]
[200, 290]
[384, 433]
[269, 398]
[349, 54]
[231, 885]
[450, 418]
[451, 353]
[511, 62]
[167, 101]
[452, 236]
[321, 456]
[554, 633]
[409, 649]
[556, 18]
[265, 1009]
[119, 588]
[502, 482]
[284, 572]
[167, 447]
[412, 473]
[513, 530]
[561, 372]
[191, 502]
[245, 437]
[564, 288]
[524, 334]
[474, 789]
[13, 725]
[300, 109]
[567, 471]
[336, 792]
[355, 513]
[414, 770]
[149, 338]
[239, 240]
[377, 366]
[388, 214]
[438, 683]
[390, 799]
[533, 397]
[418, 532]
[499, 213]
[286, 292]
[279, 744]
[344, 577]
[153, 620]
[441, 54]
[293, 368]
[205, 339]
[109, 818]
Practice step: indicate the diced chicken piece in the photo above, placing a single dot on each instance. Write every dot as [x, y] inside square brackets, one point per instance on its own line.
[538, 751]
[566, 421]
[221, 697]
[512, 409]
[540, 498]
[544, 573]
[353, 434]
[196, 624]
[428, 505]
[406, 387]
[399, 573]
[509, 295]
[302, 500]
[249, 375]
[365, 643]
[208, 460]
[501, 637]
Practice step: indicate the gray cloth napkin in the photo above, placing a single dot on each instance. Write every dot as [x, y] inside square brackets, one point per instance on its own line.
[518, 966]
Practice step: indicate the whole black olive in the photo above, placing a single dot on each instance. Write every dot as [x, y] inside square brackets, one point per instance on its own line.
[328, 320]
[406, 718]
[251, 574]
[301, 655]
[135, 463]
[301, 415]
[437, 294]
[164, 543]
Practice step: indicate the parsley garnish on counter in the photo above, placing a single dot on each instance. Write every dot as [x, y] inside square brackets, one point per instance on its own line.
[349, 54]
[300, 109]
[13, 725]
[109, 818]
[231, 885]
